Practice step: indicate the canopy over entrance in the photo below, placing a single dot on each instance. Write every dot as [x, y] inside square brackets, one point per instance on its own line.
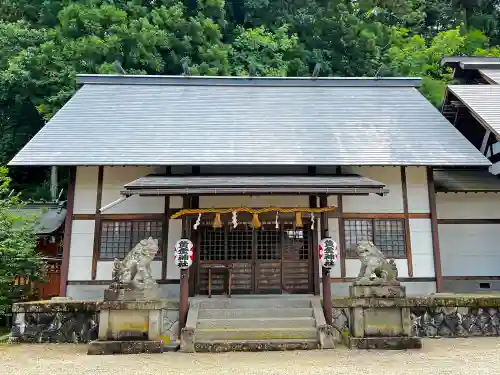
[160, 185]
[211, 185]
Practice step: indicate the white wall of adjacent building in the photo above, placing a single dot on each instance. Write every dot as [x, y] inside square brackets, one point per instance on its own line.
[469, 249]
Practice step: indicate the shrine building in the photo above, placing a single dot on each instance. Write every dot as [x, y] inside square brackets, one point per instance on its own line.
[256, 171]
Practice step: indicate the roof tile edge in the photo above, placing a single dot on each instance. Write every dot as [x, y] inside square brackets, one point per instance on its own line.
[470, 62]
[120, 79]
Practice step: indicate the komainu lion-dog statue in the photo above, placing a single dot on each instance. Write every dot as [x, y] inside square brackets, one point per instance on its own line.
[131, 276]
[375, 268]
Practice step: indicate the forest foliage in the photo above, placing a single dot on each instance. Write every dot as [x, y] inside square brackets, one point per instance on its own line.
[45, 43]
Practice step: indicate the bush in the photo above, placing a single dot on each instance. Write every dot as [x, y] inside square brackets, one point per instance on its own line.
[18, 255]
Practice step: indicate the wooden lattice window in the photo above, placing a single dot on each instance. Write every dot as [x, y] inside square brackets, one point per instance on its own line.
[216, 242]
[296, 244]
[269, 243]
[119, 237]
[233, 244]
[239, 243]
[387, 234]
[212, 244]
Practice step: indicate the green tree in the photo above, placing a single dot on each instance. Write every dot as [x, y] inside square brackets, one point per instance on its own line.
[412, 55]
[90, 37]
[18, 256]
[263, 52]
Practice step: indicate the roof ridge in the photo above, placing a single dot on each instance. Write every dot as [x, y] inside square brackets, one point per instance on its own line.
[121, 79]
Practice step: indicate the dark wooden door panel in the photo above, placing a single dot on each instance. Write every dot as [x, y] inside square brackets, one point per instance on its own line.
[242, 278]
[268, 277]
[218, 281]
[296, 276]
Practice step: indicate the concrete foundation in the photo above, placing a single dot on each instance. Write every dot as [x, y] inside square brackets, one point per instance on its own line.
[395, 343]
[125, 347]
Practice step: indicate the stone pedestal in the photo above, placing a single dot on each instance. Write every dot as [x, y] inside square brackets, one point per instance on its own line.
[378, 319]
[130, 327]
[117, 292]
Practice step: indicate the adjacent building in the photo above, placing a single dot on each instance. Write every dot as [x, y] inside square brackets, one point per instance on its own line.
[468, 203]
[247, 167]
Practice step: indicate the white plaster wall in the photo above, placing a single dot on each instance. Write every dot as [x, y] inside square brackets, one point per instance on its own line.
[113, 180]
[418, 193]
[393, 202]
[81, 249]
[468, 205]
[332, 200]
[85, 190]
[176, 202]
[255, 201]
[421, 248]
[105, 269]
[174, 234]
[469, 249]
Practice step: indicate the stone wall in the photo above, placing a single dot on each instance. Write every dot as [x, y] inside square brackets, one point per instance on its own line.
[72, 321]
[436, 315]
[62, 322]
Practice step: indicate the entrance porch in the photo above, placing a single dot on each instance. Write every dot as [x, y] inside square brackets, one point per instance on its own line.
[253, 250]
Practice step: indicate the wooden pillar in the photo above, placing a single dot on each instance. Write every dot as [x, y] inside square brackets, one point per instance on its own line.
[193, 270]
[68, 226]
[184, 282]
[165, 230]
[340, 209]
[164, 240]
[404, 186]
[313, 203]
[97, 222]
[327, 293]
[434, 230]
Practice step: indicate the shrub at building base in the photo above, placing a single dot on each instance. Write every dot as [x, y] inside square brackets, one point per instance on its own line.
[20, 264]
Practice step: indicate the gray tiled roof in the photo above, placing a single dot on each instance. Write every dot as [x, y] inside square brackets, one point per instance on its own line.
[469, 60]
[483, 101]
[165, 185]
[456, 180]
[225, 121]
[492, 75]
[45, 219]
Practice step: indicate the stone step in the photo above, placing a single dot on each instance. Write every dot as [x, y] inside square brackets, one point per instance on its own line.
[300, 312]
[245, 334]
[257, 323]
[219, 346]
[253, 303]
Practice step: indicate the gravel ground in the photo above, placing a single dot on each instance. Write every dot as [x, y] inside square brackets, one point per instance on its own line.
[444, 356]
